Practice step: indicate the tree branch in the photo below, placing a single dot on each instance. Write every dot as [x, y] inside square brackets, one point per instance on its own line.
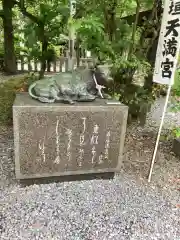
[134, 28]
[24, 11]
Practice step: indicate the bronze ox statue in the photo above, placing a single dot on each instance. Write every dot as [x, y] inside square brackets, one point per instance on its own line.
[80, 85]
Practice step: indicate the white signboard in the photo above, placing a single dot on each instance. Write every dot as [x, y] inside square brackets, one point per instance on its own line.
[72, 7]
[169, 44]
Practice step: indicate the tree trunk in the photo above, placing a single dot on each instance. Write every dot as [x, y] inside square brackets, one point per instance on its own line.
[151, 56]
[78, 50]
[43, 58]
[110, 21]
[44, 51]
[9, 53]
[48, 66]
[151, 53]
[134, 29]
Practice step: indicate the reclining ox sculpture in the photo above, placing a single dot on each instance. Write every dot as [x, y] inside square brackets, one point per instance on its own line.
[80, 85]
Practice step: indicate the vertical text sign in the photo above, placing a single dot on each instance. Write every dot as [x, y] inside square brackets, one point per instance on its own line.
[69, 134]
[94, 142]
[107, 145]
[72, 7]
[82, 143]
[169, 44]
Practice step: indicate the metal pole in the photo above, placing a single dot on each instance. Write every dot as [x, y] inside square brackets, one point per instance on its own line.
[159, 132]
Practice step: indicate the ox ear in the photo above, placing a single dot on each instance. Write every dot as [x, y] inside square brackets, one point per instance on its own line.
[97, 67]
[94, 68]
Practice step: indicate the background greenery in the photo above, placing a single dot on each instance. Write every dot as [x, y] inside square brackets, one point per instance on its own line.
[123, 33]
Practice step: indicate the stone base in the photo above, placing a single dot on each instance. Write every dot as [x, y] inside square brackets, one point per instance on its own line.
[59, 139]
[176, 146]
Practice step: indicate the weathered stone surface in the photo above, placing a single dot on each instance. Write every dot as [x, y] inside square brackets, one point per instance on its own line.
[59, 139]
[176, 146]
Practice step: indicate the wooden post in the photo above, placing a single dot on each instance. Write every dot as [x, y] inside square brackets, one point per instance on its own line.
[67, 65]
[22, 63]
[60, 64]
[35, 65]
[29, 65]
[54, 66]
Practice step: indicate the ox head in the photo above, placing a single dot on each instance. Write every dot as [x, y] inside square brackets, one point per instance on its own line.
[103, 74]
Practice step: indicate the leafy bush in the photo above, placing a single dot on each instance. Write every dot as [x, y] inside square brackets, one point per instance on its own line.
[175, 104]
[138, 100]
[174, 108]
[176, 86]
[8, 92]
[176, 132]
[159, 90]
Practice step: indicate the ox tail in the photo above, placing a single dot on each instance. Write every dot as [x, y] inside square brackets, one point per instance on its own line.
[41, 99]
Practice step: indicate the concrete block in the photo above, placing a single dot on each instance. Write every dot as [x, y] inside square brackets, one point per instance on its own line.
[59, 139]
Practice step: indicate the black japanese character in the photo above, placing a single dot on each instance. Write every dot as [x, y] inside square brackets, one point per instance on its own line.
[170, 47]
[174, 9]
[171, 7]
[172, 24]
[166, 68]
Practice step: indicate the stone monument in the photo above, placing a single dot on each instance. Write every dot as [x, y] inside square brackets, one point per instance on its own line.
[63, 139]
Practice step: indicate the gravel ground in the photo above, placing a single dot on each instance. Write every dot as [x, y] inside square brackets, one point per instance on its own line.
[154, 117]
[125, 207]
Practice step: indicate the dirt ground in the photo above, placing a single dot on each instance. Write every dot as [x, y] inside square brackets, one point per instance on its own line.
[138, 153]
[126, 207]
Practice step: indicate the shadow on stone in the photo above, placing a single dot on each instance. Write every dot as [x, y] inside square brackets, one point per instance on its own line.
[176, 146]
[83, 177]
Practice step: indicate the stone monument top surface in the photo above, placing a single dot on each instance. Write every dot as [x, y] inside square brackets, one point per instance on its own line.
[23, 99]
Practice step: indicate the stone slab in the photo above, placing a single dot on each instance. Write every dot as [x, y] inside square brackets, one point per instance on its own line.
[60, 139]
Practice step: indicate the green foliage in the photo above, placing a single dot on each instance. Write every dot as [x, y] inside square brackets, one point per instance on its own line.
[90, 30]
[135, 97]
[171, 134]
[176, 86]
[123, 66]
[100, 28]
[158, 90]
[176, 132]
[175, 104]
[174, 107]
[8, 92]
[52, 17]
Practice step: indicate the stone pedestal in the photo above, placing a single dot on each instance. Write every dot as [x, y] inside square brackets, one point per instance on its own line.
[60, 139]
